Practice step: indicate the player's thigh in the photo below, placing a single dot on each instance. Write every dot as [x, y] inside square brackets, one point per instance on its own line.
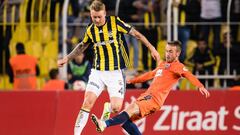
[147, 104]
[95, 83]
[116, 83]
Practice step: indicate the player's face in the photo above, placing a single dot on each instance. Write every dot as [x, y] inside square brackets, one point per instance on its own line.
[98, 17]
[171, 53]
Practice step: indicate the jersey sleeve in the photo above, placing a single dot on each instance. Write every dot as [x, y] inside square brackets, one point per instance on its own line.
[144, 77]
[122, 26]
[86, 38]
[184, 72]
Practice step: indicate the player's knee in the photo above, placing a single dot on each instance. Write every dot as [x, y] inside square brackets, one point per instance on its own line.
[135, 107]
[116, 108]
[132, 109]
[88, 104]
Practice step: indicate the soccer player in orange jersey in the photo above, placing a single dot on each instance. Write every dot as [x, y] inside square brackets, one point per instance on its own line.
[164, 77]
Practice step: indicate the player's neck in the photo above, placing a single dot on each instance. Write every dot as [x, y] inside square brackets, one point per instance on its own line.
[103, 23]
[176, 60]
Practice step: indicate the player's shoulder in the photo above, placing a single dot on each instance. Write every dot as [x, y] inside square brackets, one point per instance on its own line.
[182, 67]
[113, 17]
[89, 25]
[179, 65]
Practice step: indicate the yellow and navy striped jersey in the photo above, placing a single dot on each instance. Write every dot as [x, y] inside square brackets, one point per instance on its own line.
[110, 48]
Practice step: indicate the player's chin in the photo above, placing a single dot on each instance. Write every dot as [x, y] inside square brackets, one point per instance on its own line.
[97, 24]
[168, 60]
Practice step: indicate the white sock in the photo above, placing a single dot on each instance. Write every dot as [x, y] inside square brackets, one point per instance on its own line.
[81, 121]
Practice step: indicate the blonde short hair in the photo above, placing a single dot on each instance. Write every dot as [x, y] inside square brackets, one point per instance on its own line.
[176, 43]
[97, 5]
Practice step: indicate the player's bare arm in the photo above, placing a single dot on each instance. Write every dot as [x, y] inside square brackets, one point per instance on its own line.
[80, 48]
[144, 40]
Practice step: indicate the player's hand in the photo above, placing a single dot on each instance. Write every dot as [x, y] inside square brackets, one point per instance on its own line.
[155, 55]
[62, 61]
[204, 92]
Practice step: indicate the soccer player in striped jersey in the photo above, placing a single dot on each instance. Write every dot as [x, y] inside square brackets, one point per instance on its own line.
[165, 76]
[105, 33]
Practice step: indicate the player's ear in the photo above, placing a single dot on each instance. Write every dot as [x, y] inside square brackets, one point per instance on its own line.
[178, 52]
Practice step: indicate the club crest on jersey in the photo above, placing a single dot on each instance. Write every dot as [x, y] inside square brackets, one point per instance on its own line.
[159, 73]
[167, 65]
[120, 82]
[110, 33]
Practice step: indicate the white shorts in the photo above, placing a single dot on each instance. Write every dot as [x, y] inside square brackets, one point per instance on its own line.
[114, 81]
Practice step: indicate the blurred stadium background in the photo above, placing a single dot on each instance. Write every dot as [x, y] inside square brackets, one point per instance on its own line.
[49, 29]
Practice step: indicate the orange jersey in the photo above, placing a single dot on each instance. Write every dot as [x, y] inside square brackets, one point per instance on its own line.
[165, 76]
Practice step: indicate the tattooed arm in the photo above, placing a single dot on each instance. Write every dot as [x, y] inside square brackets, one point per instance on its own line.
[144, 40]
[80, 48]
